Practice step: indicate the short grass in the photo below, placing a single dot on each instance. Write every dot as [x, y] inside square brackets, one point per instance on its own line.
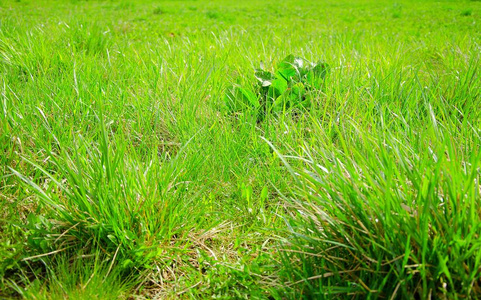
[122, 174]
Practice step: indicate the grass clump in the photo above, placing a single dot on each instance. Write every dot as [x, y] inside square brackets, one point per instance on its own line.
[79, 276]
[387, 216]
[92, 207]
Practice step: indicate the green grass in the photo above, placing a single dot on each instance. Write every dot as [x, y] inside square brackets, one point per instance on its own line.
[124, 174]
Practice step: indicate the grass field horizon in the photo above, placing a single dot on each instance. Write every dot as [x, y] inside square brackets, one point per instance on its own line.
[127, 172]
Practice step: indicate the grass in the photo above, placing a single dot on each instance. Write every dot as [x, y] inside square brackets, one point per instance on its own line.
[123, 174]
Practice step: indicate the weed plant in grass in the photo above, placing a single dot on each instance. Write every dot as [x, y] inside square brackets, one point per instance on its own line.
[119, 167]
[292, 86]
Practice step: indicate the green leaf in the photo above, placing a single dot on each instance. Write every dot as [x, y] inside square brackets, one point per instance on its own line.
[292, 67]
[265, 78]
[251, 97]
[287, 61]
[281, 103]
[239, 99]
[286, 68]
[277, 88]
[290, 98]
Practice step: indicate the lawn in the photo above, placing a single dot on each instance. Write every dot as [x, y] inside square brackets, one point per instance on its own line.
[240, 149]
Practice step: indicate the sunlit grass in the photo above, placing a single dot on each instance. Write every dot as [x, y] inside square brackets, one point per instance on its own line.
[120, 163]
